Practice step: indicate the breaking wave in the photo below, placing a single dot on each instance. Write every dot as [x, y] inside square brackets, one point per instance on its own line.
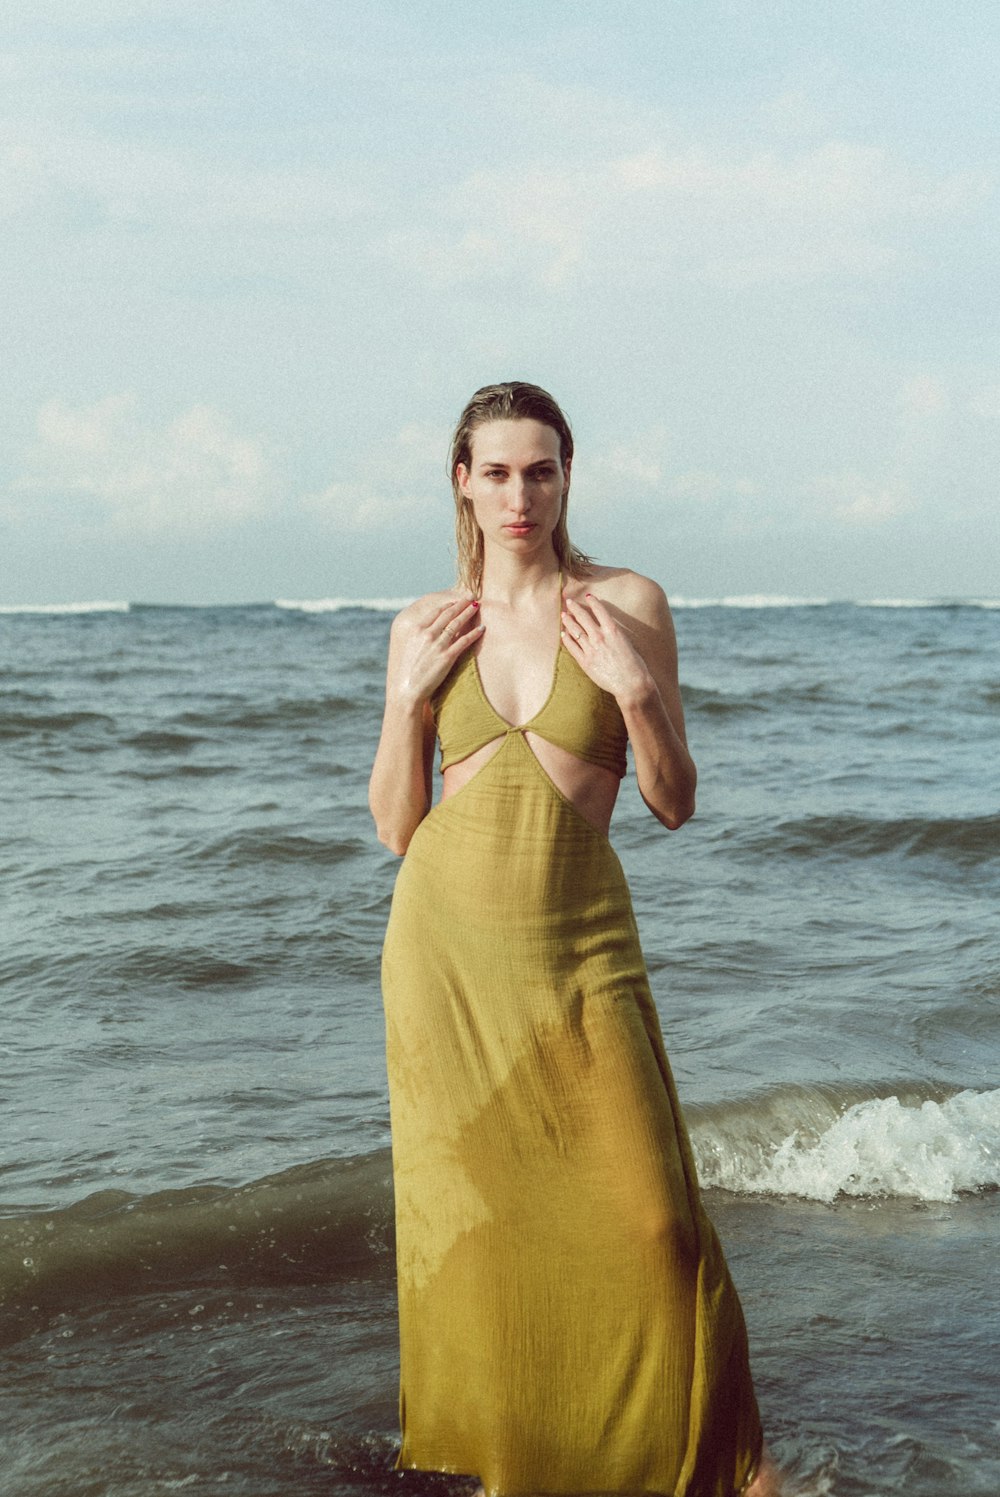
[333, 1217]
[64, 607]
[336, 605]
[818, 1144]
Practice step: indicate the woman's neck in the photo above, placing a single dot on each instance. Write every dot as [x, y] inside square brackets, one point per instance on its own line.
[506, 577]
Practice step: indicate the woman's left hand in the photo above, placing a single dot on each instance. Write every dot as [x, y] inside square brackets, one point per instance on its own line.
[602, 647]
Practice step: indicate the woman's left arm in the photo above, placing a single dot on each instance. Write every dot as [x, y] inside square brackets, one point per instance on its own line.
[626, 644]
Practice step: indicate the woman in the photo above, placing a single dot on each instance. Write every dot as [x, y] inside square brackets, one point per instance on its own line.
[567, 1321]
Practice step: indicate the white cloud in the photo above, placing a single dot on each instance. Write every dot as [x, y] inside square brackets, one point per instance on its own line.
[753, 216]
[837, 180]
[630, 466]
[425, 443]
[854, 499]
[703, 486]
[625, 470]
[195, 474]
[794, 112]
[403, 483]
[131, 184]
[646, 463]
[530, 245]
[361, 509]
[192, 474]
[923, 395]
[726, 215]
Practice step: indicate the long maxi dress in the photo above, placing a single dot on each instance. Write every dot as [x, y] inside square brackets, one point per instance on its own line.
[567, 1320]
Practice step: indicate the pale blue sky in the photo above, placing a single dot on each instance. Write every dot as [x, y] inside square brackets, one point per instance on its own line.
[255, 257]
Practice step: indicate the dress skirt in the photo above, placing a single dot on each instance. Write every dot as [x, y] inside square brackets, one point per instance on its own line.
[567, 1321]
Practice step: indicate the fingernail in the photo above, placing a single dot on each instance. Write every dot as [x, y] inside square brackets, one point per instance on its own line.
[475, 602]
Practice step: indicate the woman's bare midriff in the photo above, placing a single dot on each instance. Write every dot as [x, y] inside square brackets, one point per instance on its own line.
[590, 789]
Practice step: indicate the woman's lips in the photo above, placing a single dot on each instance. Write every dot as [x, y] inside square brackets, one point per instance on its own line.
[522, 529]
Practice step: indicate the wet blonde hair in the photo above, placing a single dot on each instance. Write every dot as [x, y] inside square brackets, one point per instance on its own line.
[513, 401]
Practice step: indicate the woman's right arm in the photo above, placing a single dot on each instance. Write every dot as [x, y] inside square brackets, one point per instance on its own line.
[425, 641]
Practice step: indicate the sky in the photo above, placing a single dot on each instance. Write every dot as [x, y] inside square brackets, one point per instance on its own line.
[255, 257]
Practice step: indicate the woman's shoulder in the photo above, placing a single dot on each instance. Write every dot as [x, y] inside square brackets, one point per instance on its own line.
[421, 610]
[630, 592]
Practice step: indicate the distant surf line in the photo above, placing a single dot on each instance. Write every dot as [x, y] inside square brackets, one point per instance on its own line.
[335, 604]
[55, 608]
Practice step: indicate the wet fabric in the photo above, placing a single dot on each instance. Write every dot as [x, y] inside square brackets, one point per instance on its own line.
[567, 1320]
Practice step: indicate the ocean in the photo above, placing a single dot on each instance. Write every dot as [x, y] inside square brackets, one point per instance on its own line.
[196, 1262]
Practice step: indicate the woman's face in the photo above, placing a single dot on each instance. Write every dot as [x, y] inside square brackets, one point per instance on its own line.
[515, 482]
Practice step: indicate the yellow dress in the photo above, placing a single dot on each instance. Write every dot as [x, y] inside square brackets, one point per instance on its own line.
[567, 1321]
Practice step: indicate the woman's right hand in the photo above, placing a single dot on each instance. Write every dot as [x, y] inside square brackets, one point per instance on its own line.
[425, 641]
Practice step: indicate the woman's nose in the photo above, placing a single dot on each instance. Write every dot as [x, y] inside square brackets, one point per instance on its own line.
[520, 497]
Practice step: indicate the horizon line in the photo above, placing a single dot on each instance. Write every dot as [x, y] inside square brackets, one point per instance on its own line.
[385, 604]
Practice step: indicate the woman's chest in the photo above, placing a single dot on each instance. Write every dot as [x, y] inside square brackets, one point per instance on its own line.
[516, 673]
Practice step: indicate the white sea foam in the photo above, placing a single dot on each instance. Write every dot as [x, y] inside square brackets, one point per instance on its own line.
[734, 600]
[928, 1151]
[901, 602]
[779, 600]
[749, 600]
[64, 607]
[335, 605]
[928, 603]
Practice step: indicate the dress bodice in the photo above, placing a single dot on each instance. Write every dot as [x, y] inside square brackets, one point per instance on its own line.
[577, 716]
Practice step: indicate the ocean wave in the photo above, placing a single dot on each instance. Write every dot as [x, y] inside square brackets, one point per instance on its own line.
[750, 600]
[780, 600]
[282, 713]
[163, 741]
[914, 1143]
[393, 605]
[714, 703]
[927, 603]
[267, 845]
[31, 724]
[100, 607]
[180, 967]
[337, 605]
[333, 1217]
[324, 1219]
[176, 771]
[964, 840]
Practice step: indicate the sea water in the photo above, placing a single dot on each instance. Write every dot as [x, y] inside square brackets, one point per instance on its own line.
[196, 1265]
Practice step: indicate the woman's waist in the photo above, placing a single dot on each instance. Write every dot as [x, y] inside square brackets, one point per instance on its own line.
[553, 866]
[537, 766]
